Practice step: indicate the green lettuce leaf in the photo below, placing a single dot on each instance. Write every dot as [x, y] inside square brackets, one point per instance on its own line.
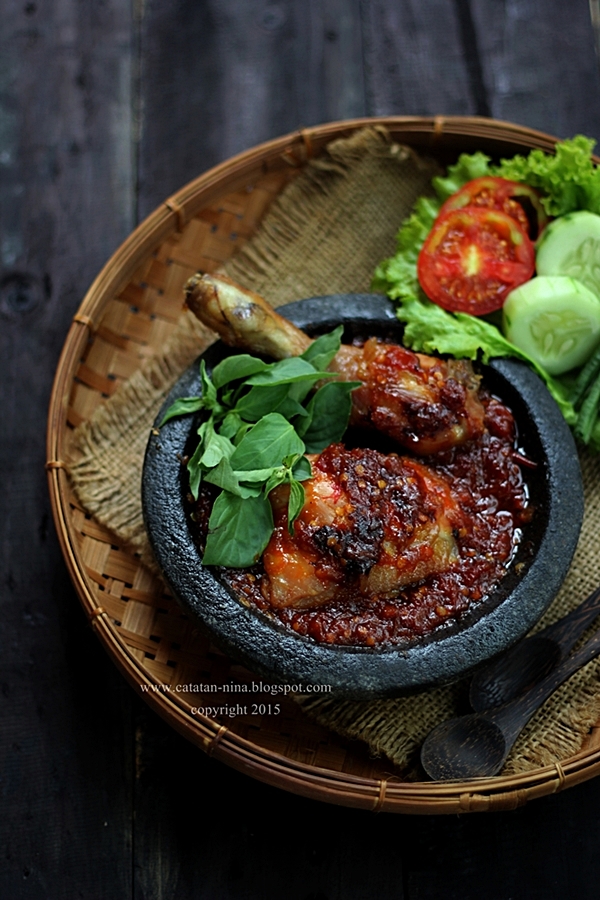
[430, 329]
[568, 181]
[468, 167]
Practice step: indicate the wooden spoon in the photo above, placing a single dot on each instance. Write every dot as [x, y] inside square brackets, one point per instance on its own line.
[477, 745]
[517, 670]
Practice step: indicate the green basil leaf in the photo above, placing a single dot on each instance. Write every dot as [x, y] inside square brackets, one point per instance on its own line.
[322, 350]
[278, 476]
[266, 444]
[242, 430]
[235, 367]
[288, 371]
[329, 412]
[209, 392]
[299, 391]
[224, 477]
[238, 530]
[254, 475]
[295, 503]
[261, 400]
[230, 425]
[194, 465]
[290, 408]
[182, 407]
[211, 449]
[216, 447]
[295, 468]
[302, 469]
[227, 398]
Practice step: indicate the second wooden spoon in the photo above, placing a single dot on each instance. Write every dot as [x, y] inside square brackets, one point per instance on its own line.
[517, 670]
[477, 745]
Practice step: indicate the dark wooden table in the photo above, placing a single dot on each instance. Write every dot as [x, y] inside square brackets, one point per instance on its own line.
[106, 108]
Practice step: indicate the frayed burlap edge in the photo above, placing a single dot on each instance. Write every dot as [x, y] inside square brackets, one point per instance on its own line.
[285, 261]
[119, 429]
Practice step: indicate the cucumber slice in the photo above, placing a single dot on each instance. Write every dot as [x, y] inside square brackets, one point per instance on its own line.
[571, 246]
[555, 320]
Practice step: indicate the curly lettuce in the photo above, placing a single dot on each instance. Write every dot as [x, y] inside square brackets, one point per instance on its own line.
[568, 181]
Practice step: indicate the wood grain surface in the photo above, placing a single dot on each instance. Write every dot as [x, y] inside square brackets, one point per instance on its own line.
[106, 108]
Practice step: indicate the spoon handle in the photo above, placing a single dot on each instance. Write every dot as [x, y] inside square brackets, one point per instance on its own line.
[566, 630]
[513, 716]
[525, 664]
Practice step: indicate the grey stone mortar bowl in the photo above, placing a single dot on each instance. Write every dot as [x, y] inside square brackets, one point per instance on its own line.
[453, 650]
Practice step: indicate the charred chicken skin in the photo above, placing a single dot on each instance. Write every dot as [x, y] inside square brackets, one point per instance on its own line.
[426, 404]
[371, 524]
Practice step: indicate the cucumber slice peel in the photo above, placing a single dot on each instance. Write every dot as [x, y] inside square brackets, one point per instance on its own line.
[555, 320]
[571, 246]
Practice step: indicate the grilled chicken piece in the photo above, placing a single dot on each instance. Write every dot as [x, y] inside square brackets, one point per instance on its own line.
[426, 404]
[371, 524]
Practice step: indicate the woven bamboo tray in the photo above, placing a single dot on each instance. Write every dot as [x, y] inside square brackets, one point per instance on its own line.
[127, 314]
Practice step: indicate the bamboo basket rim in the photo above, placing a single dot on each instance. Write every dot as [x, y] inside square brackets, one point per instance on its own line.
[330, 785]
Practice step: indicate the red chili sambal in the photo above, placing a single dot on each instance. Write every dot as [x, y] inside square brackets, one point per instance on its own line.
[389, 548]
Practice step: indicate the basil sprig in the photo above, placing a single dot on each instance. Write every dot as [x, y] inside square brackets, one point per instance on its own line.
[260, 419]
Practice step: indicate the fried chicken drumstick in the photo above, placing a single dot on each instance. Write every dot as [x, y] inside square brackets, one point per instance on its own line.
[424, 403]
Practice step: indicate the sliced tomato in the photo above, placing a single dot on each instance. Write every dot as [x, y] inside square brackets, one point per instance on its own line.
[472, 258]
[520, 201]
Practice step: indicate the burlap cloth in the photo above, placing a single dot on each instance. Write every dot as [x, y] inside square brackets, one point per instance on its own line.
[325, 234]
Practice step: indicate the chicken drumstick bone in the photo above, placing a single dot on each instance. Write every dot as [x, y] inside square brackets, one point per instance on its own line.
[424, 403]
